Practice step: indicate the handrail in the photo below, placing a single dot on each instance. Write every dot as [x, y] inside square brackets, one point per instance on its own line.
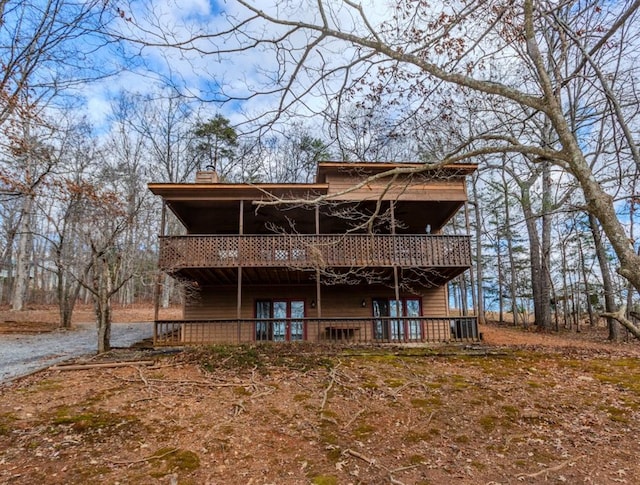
[353, 330]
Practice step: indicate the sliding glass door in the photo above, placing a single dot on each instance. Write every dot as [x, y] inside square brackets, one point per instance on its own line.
[283, 320]
[394, 322]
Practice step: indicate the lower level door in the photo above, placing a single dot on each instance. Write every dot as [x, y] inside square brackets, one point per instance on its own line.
[397, 326]
[283, 320]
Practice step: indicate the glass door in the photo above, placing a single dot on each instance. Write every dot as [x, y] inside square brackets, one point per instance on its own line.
[264, 328]
[296, 328]
[280, 322]
[381, 326]
[414, 327]
[398, 326]
[283, 320]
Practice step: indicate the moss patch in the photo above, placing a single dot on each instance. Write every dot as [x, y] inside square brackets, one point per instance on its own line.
[173, 460]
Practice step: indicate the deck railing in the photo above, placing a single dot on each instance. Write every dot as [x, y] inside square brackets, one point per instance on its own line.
[312, 251]
[347, 330]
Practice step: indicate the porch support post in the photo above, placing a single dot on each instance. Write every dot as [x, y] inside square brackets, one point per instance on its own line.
[396, 283]
[393, 217]
[471, 277]
[239, 301]
[396, 286]
[395, 262]
[318, 296]
[156, 290]
[318, 292]
[239, 294]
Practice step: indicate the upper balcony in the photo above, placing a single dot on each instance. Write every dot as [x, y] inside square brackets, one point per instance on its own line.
[314, 251]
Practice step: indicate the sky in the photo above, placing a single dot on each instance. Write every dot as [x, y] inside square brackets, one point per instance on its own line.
[202, 75]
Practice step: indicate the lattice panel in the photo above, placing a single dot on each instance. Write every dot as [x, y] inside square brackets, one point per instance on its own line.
[306, 251]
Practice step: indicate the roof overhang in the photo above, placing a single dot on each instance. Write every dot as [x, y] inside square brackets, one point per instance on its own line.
[217, 191]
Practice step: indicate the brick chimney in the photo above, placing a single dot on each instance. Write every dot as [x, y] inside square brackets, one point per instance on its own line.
[207, 177]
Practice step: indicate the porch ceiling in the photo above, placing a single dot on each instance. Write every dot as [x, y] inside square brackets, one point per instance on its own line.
[223, 217]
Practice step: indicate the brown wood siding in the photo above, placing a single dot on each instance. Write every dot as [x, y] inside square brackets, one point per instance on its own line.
[337, 302]
[434, 302]
[414, 191]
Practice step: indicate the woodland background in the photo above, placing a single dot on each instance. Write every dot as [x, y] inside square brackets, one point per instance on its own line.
[542, 95]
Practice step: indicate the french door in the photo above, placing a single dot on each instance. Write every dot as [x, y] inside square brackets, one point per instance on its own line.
[399, 329]
[282, 320]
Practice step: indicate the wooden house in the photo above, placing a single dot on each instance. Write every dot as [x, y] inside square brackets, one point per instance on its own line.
[358, 255]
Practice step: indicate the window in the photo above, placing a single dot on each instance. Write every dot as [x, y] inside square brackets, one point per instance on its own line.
[395, 322]
[282, 320]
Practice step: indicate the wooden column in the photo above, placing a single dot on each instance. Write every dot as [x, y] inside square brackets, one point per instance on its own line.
[156, 291]
[239, 300]
[471, 277]
[318, 292]
[396, 283]
[318, 297]
[393, 218]
[239, 293]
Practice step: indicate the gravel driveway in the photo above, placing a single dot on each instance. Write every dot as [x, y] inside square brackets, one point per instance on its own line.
[23, 354]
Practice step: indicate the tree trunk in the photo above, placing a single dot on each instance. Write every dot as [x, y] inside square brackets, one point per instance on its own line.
[565, 295]
[512, 264]
[103, 320]
[23, 258]
[65, 301]
[545, 258]
[102, 299]
[500, 279]
[541, 309]
[585, 282]
[479, 268]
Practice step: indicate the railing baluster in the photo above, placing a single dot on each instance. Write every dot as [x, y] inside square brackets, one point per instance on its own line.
[433, 329]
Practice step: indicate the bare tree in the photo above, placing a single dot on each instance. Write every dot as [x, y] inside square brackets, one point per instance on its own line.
[525, 59]
[49, 46]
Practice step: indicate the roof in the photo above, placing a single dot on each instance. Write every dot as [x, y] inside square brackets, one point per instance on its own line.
[258, 191]
[371, 168]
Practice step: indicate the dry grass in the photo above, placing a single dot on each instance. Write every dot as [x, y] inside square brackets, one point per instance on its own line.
[522, 408]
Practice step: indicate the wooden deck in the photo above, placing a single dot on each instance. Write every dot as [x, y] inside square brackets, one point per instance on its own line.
[346, 330]
[313, 251]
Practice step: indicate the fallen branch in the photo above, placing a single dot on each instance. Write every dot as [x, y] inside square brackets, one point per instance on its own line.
[102, 365]
[352, 420]
[522, 476]
[373, 462]
[148, 458]
[144, 379]
[370, 461]
[624, 321]
[328, 388]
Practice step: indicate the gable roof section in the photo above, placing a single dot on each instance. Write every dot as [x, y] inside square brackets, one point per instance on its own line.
[372, 168]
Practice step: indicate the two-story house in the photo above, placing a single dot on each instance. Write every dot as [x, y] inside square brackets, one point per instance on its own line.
[358, 255]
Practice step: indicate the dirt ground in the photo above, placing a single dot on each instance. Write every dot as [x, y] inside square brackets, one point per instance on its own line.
[520, 407]
[45, 318]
